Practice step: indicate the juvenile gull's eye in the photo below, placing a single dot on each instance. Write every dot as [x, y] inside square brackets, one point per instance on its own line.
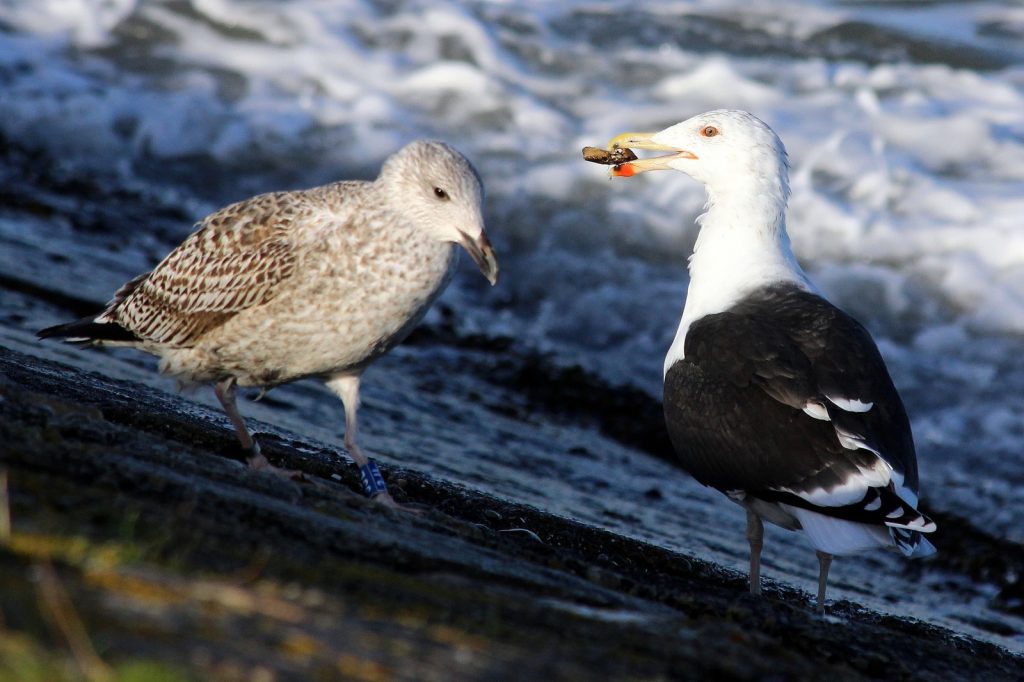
[709, 131]
[440, 193]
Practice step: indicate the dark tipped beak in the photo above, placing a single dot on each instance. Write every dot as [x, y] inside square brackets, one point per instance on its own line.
[480, 251]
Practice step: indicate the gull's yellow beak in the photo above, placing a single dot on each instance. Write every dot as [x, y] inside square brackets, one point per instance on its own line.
[644, 141]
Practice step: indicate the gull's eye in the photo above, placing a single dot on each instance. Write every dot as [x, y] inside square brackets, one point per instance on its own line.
[709, 131]
[441, 194]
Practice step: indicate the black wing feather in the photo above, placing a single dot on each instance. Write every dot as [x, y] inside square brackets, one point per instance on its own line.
[87, 330]
[734, 403]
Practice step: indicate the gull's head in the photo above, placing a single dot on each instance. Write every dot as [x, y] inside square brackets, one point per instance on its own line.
[442, 193]
[719, 148]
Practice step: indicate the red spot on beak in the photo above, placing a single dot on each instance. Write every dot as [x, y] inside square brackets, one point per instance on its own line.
[624, 170]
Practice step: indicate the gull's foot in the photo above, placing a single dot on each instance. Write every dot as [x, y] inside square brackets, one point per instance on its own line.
[385, 499]
[258, 462]
[375, 488]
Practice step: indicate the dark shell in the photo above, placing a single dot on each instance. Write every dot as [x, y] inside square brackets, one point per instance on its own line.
[613, 157]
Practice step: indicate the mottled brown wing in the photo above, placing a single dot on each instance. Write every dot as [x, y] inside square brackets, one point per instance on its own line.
[236, 260]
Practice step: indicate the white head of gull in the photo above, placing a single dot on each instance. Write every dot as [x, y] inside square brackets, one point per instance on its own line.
[773, 395]
[310, 283]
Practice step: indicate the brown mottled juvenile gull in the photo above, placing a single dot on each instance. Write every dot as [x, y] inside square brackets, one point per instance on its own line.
[310, 283]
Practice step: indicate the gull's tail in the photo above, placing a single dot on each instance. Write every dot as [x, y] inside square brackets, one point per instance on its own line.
[88, 331]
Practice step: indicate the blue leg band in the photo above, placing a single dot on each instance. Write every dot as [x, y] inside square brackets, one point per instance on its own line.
[373, 482]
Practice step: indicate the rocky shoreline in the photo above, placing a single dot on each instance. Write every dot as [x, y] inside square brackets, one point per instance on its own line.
[172, 555]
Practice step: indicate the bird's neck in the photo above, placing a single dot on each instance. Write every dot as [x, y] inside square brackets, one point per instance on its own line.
[742, 246]
[742, 239]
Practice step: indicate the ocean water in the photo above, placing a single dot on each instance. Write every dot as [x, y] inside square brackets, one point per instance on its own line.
[904, 124]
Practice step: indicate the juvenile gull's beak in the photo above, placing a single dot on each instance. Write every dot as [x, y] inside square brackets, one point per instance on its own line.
[644, 141]
[480, 251]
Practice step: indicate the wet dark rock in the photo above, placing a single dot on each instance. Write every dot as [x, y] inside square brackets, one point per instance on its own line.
[170, 551]
[634, 418]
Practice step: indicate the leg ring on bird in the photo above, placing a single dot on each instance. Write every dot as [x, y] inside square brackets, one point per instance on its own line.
[373, 482]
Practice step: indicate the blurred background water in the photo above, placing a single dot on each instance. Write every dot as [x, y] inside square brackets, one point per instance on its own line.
[904, 123]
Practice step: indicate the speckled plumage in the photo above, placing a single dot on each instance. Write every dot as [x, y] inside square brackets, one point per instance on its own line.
[287, 285]
[315, 282]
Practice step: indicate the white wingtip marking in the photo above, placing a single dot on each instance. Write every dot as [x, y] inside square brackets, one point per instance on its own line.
[851, 490]
[852, 441]
[850, 404]
[921, 525]
[918, 524]
[816, 410]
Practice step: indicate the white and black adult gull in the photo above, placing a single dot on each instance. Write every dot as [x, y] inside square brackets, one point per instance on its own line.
[773, 395]
[312, 283]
